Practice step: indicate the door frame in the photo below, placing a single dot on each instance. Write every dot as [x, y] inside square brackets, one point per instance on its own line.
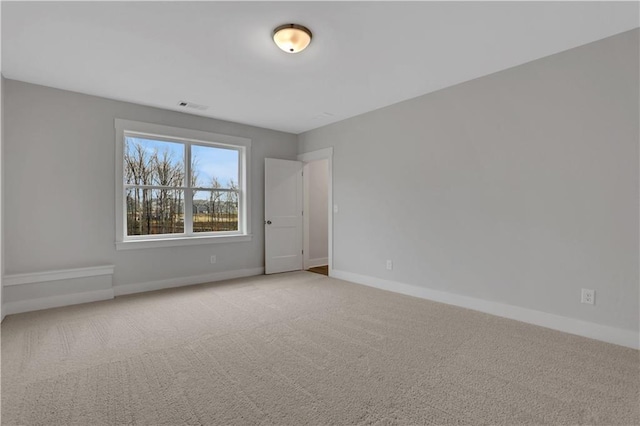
[308, 157]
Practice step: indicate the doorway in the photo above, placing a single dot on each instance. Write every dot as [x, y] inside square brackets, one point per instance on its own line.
[315, 178]
[297, 233]
[318, 208]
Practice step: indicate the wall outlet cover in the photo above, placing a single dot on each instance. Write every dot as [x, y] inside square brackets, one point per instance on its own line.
[588, 296]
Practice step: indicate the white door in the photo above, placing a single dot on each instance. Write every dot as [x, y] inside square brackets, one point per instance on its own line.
[282, 215]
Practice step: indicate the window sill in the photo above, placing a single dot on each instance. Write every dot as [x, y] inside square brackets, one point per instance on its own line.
[185, 241]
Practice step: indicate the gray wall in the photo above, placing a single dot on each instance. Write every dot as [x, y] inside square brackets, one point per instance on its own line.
[318, 175]
[59, 186]
[520, 187]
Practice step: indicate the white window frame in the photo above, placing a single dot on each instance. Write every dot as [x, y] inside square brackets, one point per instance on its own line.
[186, 137]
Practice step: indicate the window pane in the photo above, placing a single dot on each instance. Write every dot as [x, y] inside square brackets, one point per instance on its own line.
[214, 167]
[149, 162]
[215, 211]
[155, 211]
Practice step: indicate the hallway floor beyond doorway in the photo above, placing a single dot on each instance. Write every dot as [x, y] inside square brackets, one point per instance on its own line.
[323, 270]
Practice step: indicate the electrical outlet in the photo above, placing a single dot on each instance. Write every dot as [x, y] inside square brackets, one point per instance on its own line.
[389, 265]
[213, 259]
[588, 296]
[335, 208]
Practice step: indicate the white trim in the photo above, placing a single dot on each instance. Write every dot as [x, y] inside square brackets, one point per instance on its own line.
[180, 133]
[321, 261]
[2, 239]
[63, 274]
[305, 217]
[29, 305]
[121, 290]
[618, 336]
[185, 241]
[188, 137]
[321, 154]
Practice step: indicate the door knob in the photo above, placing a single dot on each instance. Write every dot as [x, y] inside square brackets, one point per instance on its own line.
[268, 222]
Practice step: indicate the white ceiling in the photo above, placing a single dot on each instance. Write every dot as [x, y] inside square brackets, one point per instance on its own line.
[363, 55]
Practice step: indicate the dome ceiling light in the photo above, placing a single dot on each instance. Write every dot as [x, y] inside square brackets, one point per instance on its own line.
[292, 38]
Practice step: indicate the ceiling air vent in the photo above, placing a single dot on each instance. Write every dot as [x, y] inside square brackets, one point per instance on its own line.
[191, 105]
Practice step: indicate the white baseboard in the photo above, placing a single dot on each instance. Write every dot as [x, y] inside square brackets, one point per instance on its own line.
[618, 336]
[312, 263]
[121, 290]
[21, 306]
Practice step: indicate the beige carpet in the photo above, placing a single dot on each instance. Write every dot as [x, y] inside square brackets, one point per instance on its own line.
[299, 349]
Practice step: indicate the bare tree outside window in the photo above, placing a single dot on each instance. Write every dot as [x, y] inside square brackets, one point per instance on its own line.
[155, 185]
[213, 205]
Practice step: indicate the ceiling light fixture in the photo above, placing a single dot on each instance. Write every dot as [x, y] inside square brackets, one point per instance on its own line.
[292, 38]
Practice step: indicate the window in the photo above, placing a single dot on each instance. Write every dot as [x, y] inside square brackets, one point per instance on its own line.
[178, 186]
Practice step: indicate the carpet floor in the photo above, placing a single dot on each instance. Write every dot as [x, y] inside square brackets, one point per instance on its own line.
[301, 348]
